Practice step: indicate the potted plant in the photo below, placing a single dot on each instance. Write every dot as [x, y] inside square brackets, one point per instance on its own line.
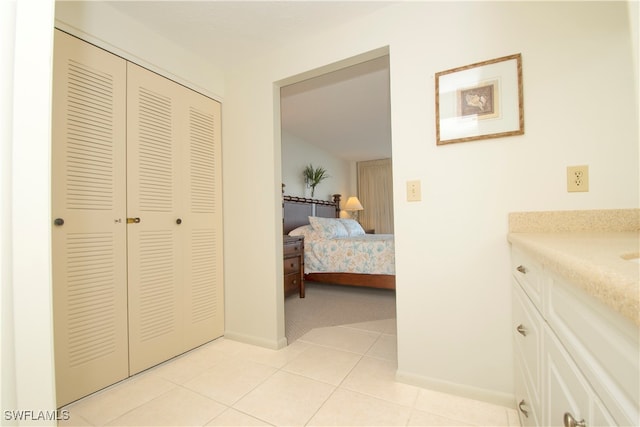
[314, 176]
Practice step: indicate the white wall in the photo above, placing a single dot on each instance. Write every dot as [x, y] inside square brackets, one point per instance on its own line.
[452, 256]
[99, 23]
[27, 338]
[634, 24]
[298, 153]
[7, 343]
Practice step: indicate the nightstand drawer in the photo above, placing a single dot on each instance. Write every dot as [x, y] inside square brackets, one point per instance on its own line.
[291, 265]
[292, 283]
[292, 249]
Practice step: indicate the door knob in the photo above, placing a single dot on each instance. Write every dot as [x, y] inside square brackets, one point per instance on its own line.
[522, 330]
[58, 221]
[179, 221]
[569, 421]
[521, 407]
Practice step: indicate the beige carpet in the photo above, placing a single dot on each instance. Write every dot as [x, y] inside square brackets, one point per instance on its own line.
[332, 305]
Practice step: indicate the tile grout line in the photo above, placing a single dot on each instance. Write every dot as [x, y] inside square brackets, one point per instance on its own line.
[141, 405]
[279, 368]
[337, 387]
[361, 357]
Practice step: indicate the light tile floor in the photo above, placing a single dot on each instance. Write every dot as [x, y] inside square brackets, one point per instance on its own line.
[337, 376]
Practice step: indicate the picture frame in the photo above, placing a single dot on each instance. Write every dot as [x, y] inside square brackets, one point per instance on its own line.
[480, 101]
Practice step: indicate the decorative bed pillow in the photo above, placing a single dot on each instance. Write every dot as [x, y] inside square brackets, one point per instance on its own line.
[353, 227]
[328, 227]
[305, 230]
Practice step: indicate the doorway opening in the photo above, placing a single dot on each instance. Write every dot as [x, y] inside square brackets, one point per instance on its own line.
[336, 117]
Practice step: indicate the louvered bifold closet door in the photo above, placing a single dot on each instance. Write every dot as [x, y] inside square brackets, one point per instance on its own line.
[202, 220]
[88, 206]
[153, 206]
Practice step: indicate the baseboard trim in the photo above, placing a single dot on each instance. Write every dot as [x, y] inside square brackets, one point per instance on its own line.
[462, 390]
[258, 341]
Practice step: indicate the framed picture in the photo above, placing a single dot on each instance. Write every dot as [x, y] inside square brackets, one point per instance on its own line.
[480, 101]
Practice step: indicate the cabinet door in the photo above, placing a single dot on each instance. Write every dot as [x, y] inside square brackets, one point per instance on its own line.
[567, 391]
[201, 219]
[153, 197]
[88, 194]
[603, 344]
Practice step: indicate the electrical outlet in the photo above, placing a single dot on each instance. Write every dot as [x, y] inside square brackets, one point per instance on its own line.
[577, 178]
[413, 191]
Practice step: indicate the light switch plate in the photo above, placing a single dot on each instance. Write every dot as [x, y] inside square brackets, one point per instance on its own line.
[414, 193]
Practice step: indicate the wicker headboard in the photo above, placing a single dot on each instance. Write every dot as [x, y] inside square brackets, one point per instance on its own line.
[297, 210]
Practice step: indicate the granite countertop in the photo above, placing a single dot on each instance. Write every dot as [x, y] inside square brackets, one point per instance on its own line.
[594, 261]
[593, 252]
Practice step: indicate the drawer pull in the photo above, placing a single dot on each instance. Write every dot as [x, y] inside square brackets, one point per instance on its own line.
[524, 411]
[569, 421]
[521, 269]
[522, 330]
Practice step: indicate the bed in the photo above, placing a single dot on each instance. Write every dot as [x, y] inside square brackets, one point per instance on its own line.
[331, 256]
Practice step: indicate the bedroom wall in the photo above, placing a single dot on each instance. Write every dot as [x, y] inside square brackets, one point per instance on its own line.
[452, 256]
[297, 153]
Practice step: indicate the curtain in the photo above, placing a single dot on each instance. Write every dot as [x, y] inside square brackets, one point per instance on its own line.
[375, 191]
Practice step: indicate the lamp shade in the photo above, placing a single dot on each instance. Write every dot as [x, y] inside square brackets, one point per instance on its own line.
[353, 204]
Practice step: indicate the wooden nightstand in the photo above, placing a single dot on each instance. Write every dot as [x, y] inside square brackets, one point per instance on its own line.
[293, 265]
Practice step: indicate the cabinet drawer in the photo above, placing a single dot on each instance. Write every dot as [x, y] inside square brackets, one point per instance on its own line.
[528, 413]
[292, 265]
[291, 249]
[527, 325]
[529, 274]
[291, 283]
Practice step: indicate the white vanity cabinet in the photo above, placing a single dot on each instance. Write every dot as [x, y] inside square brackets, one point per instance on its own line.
[576, 359]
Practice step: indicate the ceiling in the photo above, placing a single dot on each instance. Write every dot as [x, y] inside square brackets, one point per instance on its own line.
[346, 112]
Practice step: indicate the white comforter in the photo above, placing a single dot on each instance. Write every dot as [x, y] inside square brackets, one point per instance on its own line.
[367, 254]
